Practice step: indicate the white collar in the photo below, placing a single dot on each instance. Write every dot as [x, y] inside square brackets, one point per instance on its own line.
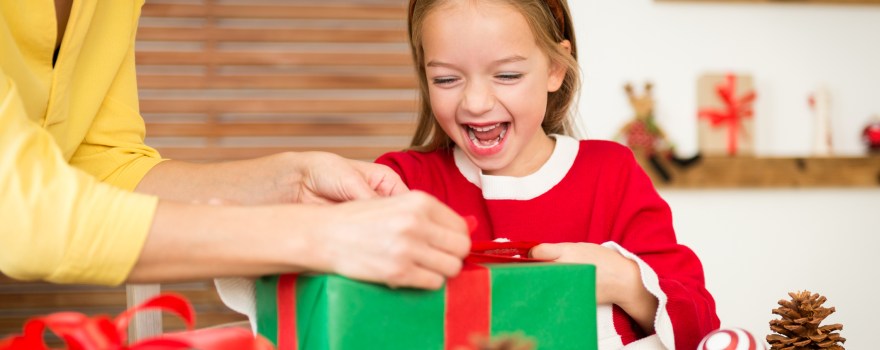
[526, 187]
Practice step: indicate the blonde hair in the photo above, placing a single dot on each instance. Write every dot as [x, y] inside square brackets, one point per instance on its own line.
[550, 23]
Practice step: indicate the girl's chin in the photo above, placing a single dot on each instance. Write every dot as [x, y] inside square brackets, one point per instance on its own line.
[489, 163]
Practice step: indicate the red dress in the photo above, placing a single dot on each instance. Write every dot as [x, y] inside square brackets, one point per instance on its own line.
[588, 191]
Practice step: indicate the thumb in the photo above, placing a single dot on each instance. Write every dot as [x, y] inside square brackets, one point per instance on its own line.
[546, 251]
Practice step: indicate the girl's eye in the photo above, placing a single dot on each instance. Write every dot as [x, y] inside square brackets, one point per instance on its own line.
[509, 76]
[440, 81]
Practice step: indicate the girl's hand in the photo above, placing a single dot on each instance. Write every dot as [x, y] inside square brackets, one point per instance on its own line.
[614, 273]
[618, 280]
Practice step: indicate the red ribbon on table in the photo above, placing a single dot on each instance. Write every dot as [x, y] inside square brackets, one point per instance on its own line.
[735, 109]
[80, 332]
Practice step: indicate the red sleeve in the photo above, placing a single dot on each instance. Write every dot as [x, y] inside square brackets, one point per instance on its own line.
[643, 226]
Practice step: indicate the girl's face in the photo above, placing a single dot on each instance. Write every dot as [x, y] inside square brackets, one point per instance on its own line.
[488, 83]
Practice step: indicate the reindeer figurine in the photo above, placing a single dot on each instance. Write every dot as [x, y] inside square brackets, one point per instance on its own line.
[642, 134]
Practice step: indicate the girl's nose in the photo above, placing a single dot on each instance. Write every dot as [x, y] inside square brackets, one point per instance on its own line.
[478, 98]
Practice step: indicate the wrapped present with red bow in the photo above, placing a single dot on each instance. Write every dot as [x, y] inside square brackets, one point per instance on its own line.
[81, 332]
[500, 291]
[726, 125]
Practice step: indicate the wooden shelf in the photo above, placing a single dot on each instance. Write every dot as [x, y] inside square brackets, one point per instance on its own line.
[752, 172]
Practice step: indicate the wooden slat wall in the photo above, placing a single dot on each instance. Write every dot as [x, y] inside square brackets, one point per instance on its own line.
[236, 79]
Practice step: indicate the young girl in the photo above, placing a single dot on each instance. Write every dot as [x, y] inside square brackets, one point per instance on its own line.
[497, 78]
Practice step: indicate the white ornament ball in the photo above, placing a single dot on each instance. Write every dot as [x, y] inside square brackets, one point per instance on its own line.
[731, 339]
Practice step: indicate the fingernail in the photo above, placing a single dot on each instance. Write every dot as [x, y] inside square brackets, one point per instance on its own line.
[471, 223]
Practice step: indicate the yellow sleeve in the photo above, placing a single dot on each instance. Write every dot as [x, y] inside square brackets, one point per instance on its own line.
[113, 149]
[57, 223]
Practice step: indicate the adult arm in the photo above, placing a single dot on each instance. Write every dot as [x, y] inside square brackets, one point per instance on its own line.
[405, 240]
[62, 225]
[113, 151]
[58, 223]
[307, 177]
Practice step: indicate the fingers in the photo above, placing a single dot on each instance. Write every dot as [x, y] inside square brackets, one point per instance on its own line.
[451, 242]
[417, 277]
[440, 213]
[407, 262]
[439, 239]
[384, 181]
[424, 267]
[369, 180]
[391, 185]
[452, 232]
[410, 240]
[356, 188]
[546, 251]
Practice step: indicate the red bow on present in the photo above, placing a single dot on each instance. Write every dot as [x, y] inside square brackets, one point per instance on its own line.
[80, 332]
[735, 109]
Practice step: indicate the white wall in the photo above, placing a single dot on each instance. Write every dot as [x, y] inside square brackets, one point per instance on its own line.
[756, 245]
[789, 49]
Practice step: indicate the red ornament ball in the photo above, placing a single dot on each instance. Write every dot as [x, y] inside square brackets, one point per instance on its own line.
[731, 339]
[871, 135]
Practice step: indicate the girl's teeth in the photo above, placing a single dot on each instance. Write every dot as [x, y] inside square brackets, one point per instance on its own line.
[486, 143]
[484, 128]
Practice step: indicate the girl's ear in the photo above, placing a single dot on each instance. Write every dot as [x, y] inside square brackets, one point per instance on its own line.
[558, 69]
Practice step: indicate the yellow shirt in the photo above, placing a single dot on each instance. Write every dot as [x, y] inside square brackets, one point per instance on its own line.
[60, 223]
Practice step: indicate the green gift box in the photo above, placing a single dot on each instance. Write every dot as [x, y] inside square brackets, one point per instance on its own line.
[553, 304]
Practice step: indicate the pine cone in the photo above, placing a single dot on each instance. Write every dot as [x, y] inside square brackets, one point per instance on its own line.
[799, 327]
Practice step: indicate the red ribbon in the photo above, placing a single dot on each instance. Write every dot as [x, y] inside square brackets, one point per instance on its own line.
[468, 307]
[286, 301]
[735, 109]
[80, 332]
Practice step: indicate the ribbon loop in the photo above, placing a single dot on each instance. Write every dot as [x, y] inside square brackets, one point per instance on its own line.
[80, 332]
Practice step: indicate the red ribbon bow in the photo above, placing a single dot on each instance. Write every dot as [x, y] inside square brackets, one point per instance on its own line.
[80, 332]
[735, 109]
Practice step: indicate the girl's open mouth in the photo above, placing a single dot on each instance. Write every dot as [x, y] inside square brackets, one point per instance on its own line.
[487, 136]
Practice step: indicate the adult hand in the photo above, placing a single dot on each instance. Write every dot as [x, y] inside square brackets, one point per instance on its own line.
[410, 240]
[290, 177]
[327, 178]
